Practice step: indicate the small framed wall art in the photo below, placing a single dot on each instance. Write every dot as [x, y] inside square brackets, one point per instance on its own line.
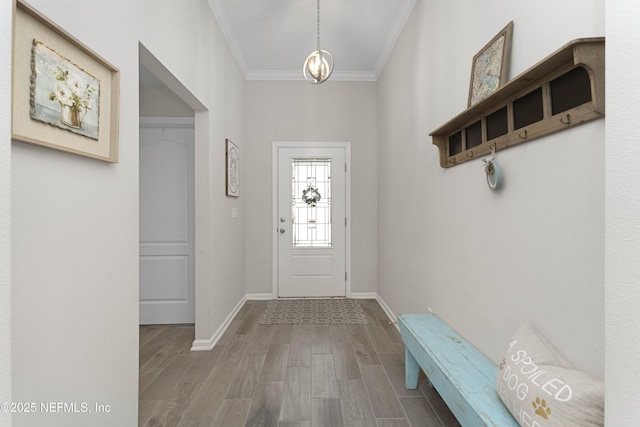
[490, 66]
[233, 169]
[65, 96]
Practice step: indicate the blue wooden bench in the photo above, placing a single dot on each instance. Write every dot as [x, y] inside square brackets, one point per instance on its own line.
[464, 377]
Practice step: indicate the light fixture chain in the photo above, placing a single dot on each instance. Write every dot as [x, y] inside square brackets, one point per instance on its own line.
[318, 24]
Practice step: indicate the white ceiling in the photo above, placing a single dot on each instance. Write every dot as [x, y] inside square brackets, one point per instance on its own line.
[271, 38]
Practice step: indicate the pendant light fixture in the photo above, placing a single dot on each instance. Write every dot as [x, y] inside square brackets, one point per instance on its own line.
[319, 65]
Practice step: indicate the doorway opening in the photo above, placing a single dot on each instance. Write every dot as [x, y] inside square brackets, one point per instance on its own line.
[173, 130]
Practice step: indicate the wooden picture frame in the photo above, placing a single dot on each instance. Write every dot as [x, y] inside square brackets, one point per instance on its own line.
[233, 169]
[65, 96]
[490, 66]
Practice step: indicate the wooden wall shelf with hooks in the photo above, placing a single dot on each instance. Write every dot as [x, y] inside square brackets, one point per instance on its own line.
[563, 90]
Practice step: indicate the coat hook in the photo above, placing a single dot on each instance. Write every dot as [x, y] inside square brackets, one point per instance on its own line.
[523, 136]
[469, 153]
[566, 120]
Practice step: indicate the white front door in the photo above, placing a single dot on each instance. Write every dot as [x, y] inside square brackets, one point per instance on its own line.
[167, 225]
[311, 221]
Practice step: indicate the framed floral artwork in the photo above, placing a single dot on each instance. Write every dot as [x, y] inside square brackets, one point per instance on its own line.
[65, 96]
[490, 66]
[233, 169]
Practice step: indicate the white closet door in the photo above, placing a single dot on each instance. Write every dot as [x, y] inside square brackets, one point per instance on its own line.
[166, 226]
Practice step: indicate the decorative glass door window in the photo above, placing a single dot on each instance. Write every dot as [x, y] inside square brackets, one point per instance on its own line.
[311, 203]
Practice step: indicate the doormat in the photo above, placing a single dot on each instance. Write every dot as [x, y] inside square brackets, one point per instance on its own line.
[314, 312]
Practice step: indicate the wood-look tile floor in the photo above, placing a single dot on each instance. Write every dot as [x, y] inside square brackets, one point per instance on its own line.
[283, 376]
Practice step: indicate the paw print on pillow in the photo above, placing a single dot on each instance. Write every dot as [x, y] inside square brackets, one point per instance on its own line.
[540, 406]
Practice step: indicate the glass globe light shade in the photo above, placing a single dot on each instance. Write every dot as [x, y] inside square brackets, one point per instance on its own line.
[318, 66]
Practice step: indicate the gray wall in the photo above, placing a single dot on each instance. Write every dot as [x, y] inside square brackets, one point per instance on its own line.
[299, 111]
[622, 226]
[74, 227]
[487, 261]
[5, 207]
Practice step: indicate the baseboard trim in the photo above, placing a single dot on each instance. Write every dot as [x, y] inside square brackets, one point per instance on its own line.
[364, 295]
[390, 314]
[206, 345]
[259, 297]
[354, 295]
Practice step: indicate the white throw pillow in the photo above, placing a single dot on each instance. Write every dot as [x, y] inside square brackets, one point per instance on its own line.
[541, 388]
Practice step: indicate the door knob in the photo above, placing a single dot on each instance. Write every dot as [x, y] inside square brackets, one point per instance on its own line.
[282, 231]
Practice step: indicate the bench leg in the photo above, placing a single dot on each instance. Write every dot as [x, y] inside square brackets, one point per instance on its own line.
[411, 370]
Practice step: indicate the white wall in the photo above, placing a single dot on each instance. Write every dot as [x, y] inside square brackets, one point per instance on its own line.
[75, 220]
[622, 270]
[160, 101]
[5, 207]
[486, 261]
[299, 111]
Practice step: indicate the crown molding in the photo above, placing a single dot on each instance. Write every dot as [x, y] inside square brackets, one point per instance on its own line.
[394, 34]
[220, 13]
[344, 76]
